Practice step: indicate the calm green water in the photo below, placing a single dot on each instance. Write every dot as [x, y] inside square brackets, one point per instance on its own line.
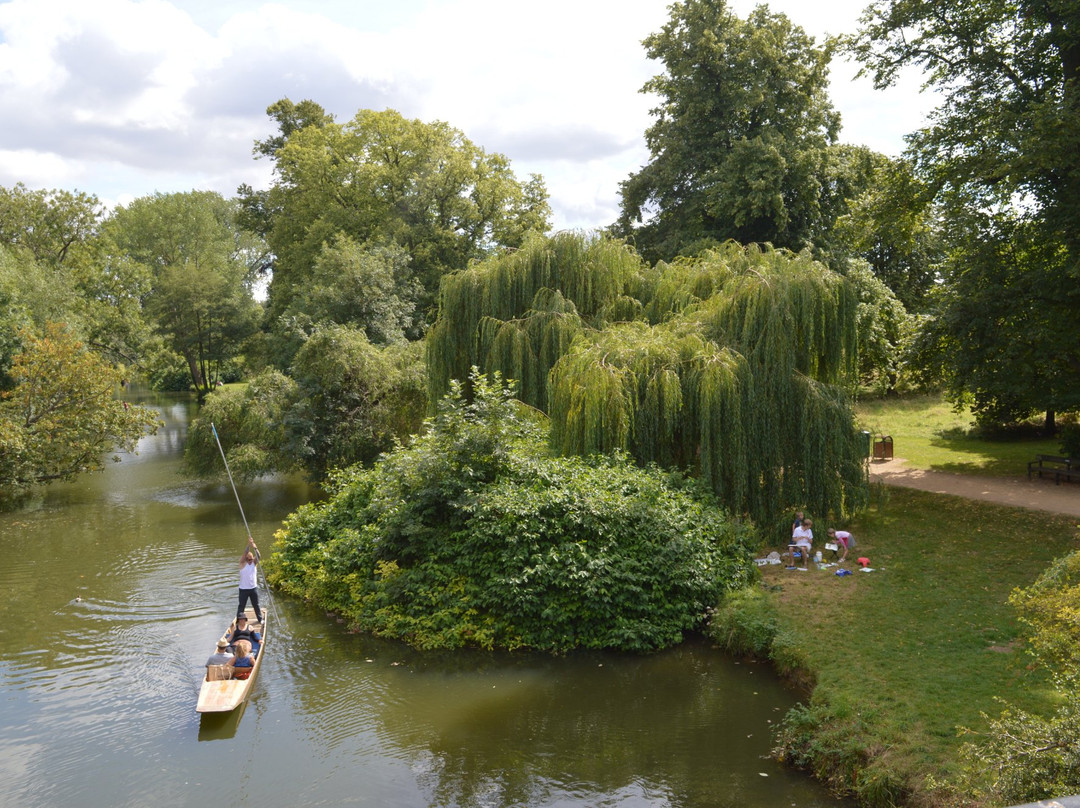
[113, 589]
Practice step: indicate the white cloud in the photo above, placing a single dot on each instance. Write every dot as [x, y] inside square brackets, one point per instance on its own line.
[126, 97]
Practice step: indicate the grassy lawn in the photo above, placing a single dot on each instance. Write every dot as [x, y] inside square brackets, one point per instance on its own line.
[929, 434]
[904, 655]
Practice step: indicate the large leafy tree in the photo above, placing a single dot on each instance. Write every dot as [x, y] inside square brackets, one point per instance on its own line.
[52, 225]
[370, 288]
[740, 148]
[61, 415]
[893, 225]
[382, 178]
[71, 275]
[1000, 152]
[201, 265]
[730, 365]
[346, 402]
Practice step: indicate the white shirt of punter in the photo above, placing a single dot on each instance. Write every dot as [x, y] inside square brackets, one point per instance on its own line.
[247, 576]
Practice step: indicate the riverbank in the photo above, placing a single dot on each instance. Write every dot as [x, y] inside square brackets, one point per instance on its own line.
[897, 660]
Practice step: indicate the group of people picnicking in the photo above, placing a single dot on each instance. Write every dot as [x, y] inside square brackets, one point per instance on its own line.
[802, 541]
[238, 649]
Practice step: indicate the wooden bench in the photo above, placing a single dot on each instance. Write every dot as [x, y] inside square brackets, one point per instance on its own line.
[1068, 474]
[1052, 464]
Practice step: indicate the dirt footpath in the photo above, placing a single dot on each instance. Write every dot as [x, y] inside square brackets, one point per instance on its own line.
[1036, 494]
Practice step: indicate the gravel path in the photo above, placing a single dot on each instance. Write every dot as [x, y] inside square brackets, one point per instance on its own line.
[1036, 494]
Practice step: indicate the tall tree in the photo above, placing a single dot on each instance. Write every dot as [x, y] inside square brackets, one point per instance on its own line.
[740, 145]
[66, 273]
[381, 178]
[201, 300]
[894, 225]
[62, 416]
[1001, 152]
[731, 365]
[371, 288]
[51, 225]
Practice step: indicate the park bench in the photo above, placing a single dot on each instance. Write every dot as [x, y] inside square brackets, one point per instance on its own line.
[1061, 467]
[1068, 474]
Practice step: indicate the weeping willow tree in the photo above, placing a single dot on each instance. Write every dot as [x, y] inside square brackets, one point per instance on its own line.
[731, 365]
[517, 313]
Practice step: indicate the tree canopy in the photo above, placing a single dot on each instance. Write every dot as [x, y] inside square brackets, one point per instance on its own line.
[201, 268]
[1000, 154]
[380, 179]
[740, 148]
[730, 365]
[62, 416]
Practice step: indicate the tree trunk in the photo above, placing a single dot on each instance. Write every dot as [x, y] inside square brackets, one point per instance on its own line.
[1049, 426]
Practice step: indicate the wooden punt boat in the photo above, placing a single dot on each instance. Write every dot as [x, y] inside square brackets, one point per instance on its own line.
[220, 693]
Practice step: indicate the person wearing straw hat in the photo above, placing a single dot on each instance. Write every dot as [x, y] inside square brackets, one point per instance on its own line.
[222, 657]
[249, 583]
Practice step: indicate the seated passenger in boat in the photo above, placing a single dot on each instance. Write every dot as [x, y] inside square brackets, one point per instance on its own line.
[242, 632]
[244, 661]
[223, 655]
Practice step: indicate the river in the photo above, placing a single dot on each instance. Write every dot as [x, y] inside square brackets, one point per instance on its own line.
[113, 589]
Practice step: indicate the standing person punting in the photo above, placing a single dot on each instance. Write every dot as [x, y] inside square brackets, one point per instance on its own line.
[249, 584]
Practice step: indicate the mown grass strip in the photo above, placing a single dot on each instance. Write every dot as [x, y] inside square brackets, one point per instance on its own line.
[930, 434]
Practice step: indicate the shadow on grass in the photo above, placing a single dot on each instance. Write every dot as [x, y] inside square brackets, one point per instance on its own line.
[967, 454]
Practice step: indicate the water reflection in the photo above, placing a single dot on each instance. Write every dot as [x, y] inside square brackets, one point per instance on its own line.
[220, 726]
[115, 586]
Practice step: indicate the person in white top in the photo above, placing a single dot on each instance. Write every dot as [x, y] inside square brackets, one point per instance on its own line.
[803, 539]
[249, 580]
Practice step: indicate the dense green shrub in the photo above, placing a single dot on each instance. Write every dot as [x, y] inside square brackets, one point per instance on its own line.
[475, 535]
[1023, 757]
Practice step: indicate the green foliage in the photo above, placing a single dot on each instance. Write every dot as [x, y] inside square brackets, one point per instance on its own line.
[885, 330]
[517, 313]
[472, 535]
[892, 225]
[368, 288]
[62, 416]
[741, 145]
[165, 370]
[997, 324]
[54, 227]
[353, 399]
[250, 423]
[199, 299]
[998, 156]
[1023, 756]
[382, 179]
[346, 402]
[731, 368]
[1050, 609]
[834, 743]
[746, 623]
[1070, 440]
[31, 295]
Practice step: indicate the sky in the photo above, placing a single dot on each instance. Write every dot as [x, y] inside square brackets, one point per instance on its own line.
[125, 98]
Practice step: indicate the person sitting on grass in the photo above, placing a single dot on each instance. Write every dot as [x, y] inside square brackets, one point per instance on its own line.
[802, 539]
